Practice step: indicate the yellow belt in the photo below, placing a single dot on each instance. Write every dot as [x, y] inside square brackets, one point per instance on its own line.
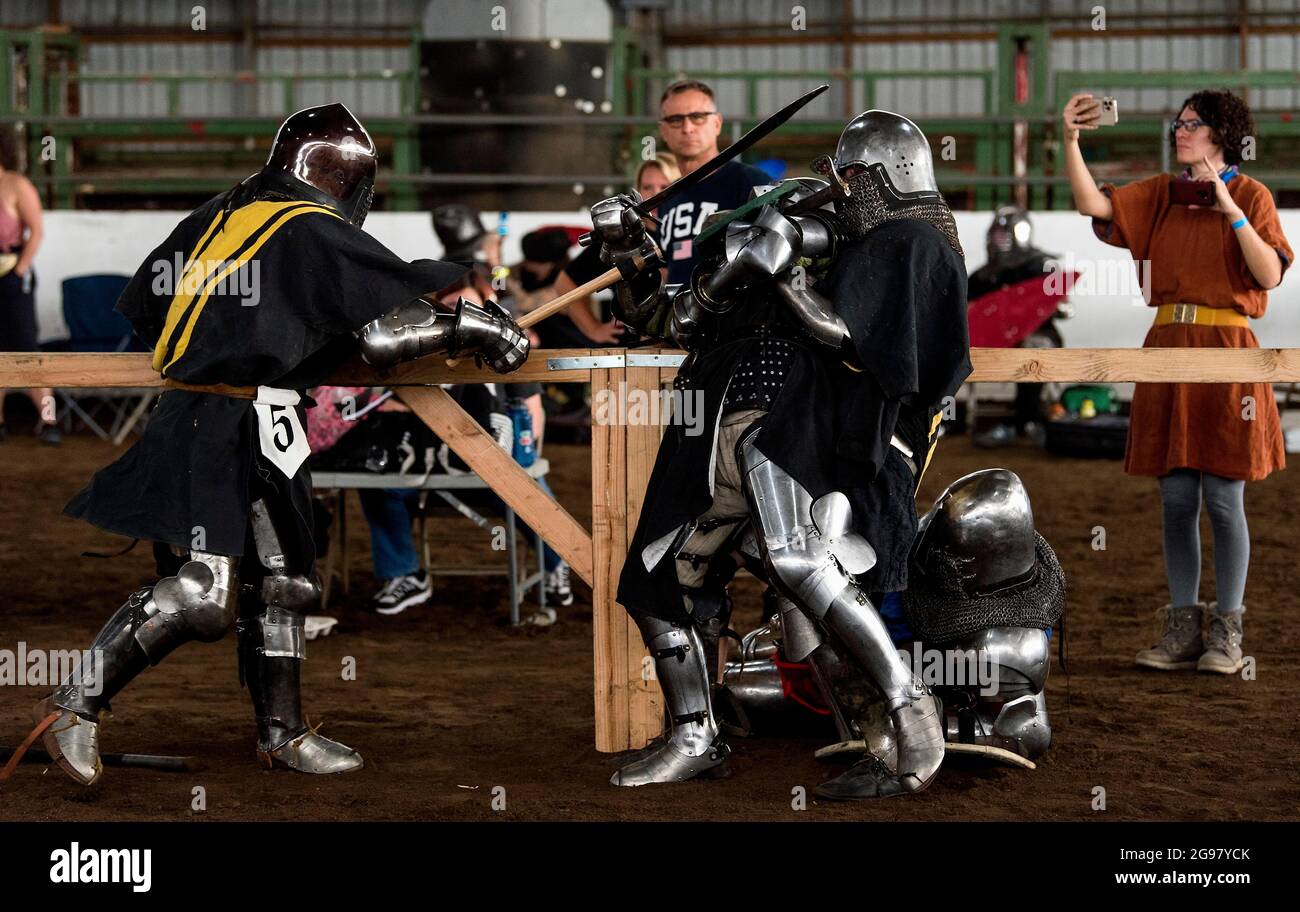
[1200, 314]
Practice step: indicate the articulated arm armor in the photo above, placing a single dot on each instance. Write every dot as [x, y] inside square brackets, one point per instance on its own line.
[761, 250]
[768, 249]
[815, 313]
[417, 328]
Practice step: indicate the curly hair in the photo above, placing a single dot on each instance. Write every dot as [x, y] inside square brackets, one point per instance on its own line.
[1229, 118]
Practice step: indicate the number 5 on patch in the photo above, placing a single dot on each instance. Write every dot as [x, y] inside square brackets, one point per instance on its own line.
[281, 436]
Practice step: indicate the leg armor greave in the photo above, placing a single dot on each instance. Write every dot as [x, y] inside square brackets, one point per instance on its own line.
[811, 553]
[271, 650]
[694, 746]
[198, 603]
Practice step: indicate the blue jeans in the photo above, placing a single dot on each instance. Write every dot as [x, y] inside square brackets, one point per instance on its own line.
[388, 512]
[392, 548]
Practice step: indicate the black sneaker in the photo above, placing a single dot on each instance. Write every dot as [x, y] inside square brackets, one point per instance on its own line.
[557, 586]
[50, 434]
[402, 592]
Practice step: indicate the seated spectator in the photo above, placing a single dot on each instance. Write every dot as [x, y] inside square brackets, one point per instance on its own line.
[397, 441]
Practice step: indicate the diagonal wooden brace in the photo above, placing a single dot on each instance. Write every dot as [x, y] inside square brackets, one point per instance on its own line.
[505, 476]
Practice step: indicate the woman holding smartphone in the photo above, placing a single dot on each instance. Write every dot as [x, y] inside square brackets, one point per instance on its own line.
[1211, 267]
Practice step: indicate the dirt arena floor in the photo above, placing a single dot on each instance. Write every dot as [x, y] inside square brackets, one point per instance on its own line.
[449, 701]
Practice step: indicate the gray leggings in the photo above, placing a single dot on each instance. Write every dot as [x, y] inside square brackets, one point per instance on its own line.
[1180, 493]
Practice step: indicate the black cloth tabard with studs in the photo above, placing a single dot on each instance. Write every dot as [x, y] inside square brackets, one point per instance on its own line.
[759, 376]
[901, 291]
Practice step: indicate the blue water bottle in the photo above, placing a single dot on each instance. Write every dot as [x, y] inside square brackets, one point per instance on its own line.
[525, 450]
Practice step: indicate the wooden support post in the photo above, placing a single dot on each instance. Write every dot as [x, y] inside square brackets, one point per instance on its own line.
[645, 699]
[629, 704]
[609, 545]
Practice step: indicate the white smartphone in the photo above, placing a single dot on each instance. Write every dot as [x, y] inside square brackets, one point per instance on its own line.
[1109, 112]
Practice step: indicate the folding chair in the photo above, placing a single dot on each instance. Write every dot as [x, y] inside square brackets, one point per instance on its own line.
[94, 326]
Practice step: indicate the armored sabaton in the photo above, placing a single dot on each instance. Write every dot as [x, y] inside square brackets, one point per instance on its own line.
[985, 591]
[202, 602]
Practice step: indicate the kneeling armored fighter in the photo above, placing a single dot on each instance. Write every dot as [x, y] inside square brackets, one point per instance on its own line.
[984, 592]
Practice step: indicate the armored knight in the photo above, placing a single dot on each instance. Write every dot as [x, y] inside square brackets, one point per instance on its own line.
[822, 346]
[220, 473]
[983, 594]
[1014, 263]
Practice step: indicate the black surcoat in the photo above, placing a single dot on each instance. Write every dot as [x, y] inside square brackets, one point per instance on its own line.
[901, 291]
[244, 293]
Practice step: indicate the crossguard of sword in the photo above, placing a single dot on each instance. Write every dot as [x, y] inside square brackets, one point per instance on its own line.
[825, 166]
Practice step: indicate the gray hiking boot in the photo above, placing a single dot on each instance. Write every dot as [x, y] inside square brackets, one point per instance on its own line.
[1223, 643]
[1180, 645]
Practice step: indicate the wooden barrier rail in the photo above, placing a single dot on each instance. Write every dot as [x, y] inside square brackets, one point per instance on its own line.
[1033, 365]
[628, 703]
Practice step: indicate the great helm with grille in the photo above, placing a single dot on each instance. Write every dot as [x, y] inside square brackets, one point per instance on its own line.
[1010, 233]
[324, 155]
[893, 147]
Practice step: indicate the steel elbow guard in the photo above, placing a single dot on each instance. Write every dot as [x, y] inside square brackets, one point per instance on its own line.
[405, 333]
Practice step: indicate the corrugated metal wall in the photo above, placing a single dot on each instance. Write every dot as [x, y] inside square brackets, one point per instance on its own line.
[524, 20]
[223, 54]
[322, 13]
[932, 96]
[937, 95]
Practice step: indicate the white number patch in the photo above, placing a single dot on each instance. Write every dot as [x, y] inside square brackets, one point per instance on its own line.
[280, 433]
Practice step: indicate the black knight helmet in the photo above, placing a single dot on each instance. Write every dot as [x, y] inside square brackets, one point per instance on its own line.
[324, 155]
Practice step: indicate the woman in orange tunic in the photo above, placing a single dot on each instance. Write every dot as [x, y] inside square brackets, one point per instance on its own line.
[1210, 271]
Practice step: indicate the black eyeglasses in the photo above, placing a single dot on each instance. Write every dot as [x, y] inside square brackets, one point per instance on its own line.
[1191, 126]
[676, 120]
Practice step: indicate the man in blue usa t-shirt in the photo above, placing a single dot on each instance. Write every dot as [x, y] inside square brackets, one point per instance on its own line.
[689, 122]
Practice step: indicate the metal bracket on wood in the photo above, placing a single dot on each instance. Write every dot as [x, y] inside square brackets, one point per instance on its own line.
[589, 363]
[643, 359]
